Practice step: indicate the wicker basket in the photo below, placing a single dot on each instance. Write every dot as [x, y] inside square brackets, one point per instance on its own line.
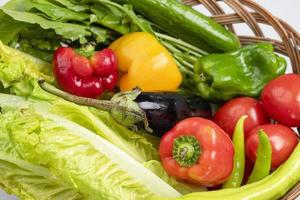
[288, 46]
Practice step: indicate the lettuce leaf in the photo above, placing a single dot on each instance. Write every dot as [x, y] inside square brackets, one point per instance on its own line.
[55, 12]
[184, 188]
[95, 167]
[30, 181]
[37, 42]
[16, 65]
[72, 5]
[101, 123]
[25, 179]
[9, 28]
[16, 9]
[67, 30]
[19, 73]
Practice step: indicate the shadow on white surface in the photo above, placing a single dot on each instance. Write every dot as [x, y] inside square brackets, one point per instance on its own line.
[4, 196]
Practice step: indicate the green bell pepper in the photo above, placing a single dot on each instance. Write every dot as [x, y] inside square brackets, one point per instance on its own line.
[243, 72]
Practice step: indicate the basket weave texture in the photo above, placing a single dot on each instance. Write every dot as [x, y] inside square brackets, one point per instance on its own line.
[252, 14]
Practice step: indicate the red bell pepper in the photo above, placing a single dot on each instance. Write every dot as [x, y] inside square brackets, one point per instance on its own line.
[80, 76]
[198, 151]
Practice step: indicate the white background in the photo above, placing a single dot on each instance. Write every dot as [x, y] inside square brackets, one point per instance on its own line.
[287, 10]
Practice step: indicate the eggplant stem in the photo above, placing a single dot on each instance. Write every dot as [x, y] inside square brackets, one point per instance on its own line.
[119, 112]
[84, 101]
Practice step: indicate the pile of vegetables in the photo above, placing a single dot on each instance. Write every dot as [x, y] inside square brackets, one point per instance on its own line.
[141, 99]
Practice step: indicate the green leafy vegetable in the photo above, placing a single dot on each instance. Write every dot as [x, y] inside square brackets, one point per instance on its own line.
[104, 125]
[184, 188]
[119, 18]
[114, 19]
[9, 28]
[37, 42]
[15, 64]
[22, 178]
[19, 71]
[71, 31]
[28, 38]
[30, 181]
[54, 12]
[67, 30]
[72, 5]
[89, 163]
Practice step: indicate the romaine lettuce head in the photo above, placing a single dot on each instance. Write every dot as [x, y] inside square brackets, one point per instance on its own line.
[33, 182]
[26, 180]
[101, 123]
[19, 72]
[83, 160]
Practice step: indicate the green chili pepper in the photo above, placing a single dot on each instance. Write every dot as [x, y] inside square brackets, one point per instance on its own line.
[244, 72]
[237, 174]
[262, 165]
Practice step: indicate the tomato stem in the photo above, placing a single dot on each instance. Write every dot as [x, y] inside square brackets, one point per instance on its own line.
[186, 150]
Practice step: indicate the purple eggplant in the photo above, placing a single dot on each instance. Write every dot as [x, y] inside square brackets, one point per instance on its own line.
[154, 112]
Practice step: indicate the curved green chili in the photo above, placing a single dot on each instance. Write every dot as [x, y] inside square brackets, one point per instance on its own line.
[262, 165]
[237, 174]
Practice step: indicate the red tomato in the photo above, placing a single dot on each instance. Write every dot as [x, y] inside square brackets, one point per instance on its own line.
[248, 170]
[281, 99]
[228, 115]
[283, 141]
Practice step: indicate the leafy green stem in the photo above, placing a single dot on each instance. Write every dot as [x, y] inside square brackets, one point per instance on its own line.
[180, 42]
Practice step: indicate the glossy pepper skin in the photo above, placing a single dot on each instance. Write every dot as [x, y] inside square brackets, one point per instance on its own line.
[145, 63]
[237, 174]
[198, 151]
[243, 72]
[77, 75]
[262, 165]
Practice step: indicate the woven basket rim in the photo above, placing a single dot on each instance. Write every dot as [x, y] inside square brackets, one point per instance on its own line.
[289, 45]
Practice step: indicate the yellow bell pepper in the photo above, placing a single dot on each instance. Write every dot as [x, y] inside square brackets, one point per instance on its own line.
[145, 63]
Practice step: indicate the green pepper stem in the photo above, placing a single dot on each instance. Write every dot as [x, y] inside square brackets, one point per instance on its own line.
[186, 150]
